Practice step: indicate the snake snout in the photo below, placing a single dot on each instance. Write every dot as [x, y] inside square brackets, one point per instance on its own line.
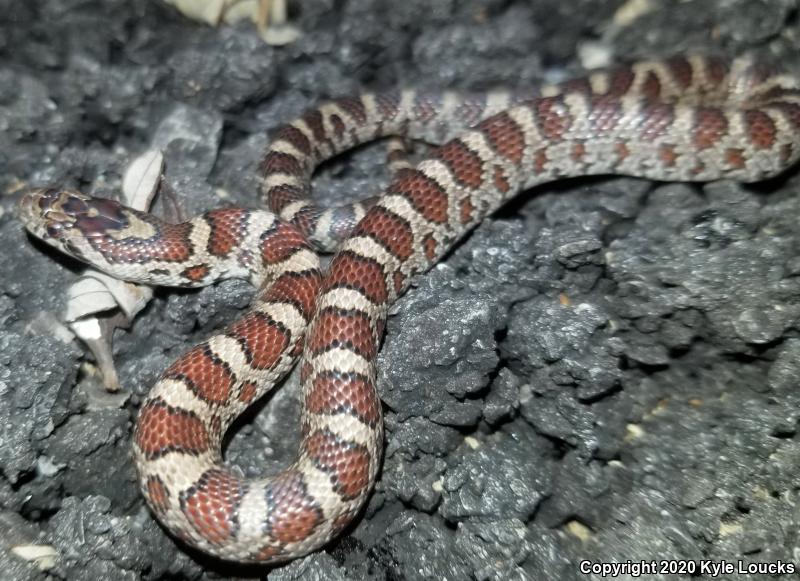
[53, 213]
[46, 212]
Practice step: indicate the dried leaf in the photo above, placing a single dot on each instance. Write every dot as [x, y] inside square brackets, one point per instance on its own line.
[141, 179]
[96, 292]
[43, 556]
[270, 16]
[208, 11]
[280, 35]
[243, 10]
[87, 329]
[87, 296]
[94, 297]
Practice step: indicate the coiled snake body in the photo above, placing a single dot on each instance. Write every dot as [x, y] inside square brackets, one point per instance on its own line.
[683, 119]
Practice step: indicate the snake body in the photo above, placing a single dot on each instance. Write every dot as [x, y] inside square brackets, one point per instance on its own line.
[681, 119]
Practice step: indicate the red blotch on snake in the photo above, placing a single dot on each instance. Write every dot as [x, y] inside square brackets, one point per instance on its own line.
[505, 136]
[651, 87]
[620, 81]
[399, 280]
[349, 270]
[465, 208]
[227, 227]
[427, 196]
[390, 230]
[280, 162]
[668, 155]
[330, 389]
[347, 463]
[297, 288]
[466, 166]
[296, 138]
[292, 513]
[313, 120]
[354, 107]
[158, 495]
[196, 273]
[656, 120]
[710, 125]
[212, 505]
[281, 242]
[207, 375]
[262, 339]
[388, 104]
[760, 128]
[161, 429]
[681, 71]
[429, 245]
[247, 392]
[553, 118]
[605, 113]
[349, 329]
[735, 157]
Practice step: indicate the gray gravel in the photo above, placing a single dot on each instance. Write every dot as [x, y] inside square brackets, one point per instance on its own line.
[607, 369]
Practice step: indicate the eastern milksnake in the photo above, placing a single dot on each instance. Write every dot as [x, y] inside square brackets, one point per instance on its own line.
[680, 119]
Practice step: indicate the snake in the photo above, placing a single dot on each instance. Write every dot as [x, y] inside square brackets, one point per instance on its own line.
[683, 118]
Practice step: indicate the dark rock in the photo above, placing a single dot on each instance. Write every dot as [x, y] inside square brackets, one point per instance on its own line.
[605, 369]
[505, 477]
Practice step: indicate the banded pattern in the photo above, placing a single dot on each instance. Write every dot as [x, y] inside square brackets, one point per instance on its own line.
[686, 118]
[344, 123]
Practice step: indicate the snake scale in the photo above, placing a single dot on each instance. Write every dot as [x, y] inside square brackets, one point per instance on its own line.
[685, 118]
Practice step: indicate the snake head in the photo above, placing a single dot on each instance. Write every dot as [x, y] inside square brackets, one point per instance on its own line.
[68, 219]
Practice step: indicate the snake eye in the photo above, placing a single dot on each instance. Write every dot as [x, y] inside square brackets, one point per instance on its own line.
[54, 230]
